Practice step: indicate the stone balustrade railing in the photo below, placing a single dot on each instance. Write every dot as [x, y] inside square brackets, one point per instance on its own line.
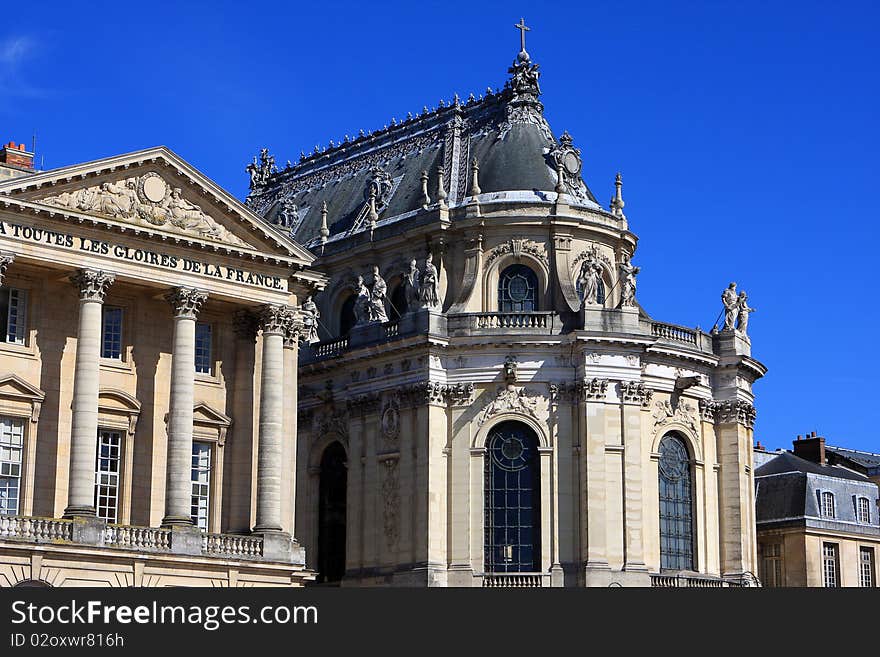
[674, 333]
[512, 580]
[533, 320]
[38, 530]
[691, 582]
[330, 347]
[150, 539]
[232, 545]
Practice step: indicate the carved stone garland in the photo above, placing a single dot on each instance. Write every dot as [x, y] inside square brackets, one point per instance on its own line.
[517, 247]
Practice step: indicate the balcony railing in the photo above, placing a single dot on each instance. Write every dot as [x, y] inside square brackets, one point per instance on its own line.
[232, 545]
[38, 530]
[674, 333]
[678, 581]
[512, 580]
[149, 539]
[330, 348]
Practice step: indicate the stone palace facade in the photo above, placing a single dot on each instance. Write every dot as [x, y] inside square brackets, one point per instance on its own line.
[483, 401]
[148, 378]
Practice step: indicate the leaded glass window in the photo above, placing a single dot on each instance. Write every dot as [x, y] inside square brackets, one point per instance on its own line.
[676, 506]
[107, 475]
[13, 313]
[111, 332]
[512, 532]
[11, 447]
[866, 567]
[830, 568]
[204, 343]
[517, 290]
[201, 484]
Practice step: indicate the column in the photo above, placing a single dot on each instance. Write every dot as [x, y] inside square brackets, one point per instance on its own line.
[92, 286]
[289, 439]
[186, 304]
[275, 320]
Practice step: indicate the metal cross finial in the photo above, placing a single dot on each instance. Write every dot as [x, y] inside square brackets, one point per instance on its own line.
[521, 26]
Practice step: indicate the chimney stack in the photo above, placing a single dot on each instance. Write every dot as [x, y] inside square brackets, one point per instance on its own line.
[811, 447]
[17, 156]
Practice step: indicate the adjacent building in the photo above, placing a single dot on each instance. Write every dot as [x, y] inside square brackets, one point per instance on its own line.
[148, 379]
[817, 517]
[483, 401]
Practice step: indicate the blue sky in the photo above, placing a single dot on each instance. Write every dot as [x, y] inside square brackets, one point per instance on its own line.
[745, 131]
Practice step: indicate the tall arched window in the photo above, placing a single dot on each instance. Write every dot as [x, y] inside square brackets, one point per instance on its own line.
[513, 500]
[346, 315]
[517, 290]
[676, 506]
[332, 494]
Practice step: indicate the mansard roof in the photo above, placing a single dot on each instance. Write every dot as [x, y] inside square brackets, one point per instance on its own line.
[504, 131]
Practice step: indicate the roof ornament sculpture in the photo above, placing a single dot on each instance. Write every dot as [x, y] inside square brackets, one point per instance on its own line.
[325, 231]
[566, 160]
[524, 74]
[261, 171]
[617, 200]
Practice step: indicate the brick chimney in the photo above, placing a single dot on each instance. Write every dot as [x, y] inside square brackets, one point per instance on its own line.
[17, 156]
[811, 447]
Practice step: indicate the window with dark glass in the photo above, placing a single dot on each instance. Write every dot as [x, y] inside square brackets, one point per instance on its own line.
[676, 506]
[13, 309]
[863, 509]
[346, 315]
[107, 475]
[512, 505]
[517, 290]
[398, 305]
[771, 564]
[111, 332]
[204, 343]
[866, 567]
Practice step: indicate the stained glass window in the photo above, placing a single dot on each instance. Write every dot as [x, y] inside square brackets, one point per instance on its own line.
[512, 538]
[517, 290]
[676, 506]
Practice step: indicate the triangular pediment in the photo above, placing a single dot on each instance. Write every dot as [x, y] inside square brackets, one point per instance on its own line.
[155, 192]
[204, 414]
[12, 385]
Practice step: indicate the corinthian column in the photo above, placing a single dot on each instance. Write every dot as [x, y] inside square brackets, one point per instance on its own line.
[185, 303]
[275, 321]
[92, 287]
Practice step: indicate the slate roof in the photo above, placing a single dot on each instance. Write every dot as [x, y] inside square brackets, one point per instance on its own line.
[509, 138]
[788, 462]
[867, 460]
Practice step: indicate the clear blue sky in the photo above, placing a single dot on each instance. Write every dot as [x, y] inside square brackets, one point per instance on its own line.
[746, 133]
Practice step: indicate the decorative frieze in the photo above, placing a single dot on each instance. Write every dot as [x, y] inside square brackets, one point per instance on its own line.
[391, 499]
[92, 284]
[635, 392]
[517, 247]
[461, 394]
[186, 302]
[330, 422]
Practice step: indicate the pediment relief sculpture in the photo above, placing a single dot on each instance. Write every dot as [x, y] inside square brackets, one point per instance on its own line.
[146, 200]
[510, 399]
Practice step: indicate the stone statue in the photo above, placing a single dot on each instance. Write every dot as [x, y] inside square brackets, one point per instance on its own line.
[428, 291]
[731, 306]
[261, 172]
[411, 286]
[377, 298]
[590, 279]
[287, 215]
[310, 315]
[744, 310]
[362, 303]
[628, 281]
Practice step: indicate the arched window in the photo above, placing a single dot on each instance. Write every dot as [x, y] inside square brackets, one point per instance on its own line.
[513, 520]
[332, 494]
[517, 290]
[676, 506]
[398, 305]
[346, 315]
[828, 504]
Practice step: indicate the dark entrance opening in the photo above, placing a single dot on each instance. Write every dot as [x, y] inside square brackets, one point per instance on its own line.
[331, 514]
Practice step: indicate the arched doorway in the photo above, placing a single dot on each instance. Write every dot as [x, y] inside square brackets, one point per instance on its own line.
[513, 500]
[332, 491]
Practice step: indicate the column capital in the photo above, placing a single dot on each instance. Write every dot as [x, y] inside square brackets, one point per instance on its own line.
[6, 259]
[92, 284]
[245, 324]
[293, 334]
[276, 318]
[186, 302]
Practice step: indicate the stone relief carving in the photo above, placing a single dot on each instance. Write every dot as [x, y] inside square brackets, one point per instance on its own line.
[390, 420]
[330, 422]
[586, 390]
[684, 413]
[146, 200]
[310, 314]
[391, 497]
[635, 392]
[566, 161]
[738, 411]
[517, 247]
[510, 399]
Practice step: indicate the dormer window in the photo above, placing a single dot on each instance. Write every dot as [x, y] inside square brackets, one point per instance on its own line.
[863, 510]
[828, 505]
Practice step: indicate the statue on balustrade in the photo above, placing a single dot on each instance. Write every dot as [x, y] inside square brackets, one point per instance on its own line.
[362, 303]
[377, 298]
[628, 281]
[743, 312]
[411, 286]
[429, 293]
[310, 315]
[731, 307]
